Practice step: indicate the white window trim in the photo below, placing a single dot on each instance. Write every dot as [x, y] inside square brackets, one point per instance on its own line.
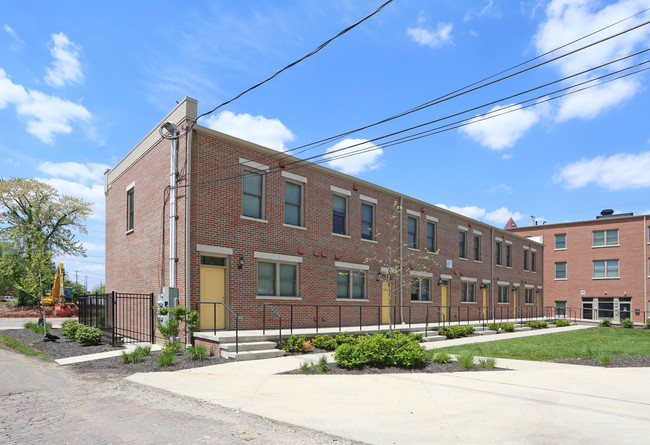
[374, 219]
[503, 283]
[284, 259]
[272, 297]
[340, 191]
[529, 286]
[509, 242]
[302, 201]
[203, 248]
[250, 218]
[496, 238]
[415, 273]
[294, 227]
[130, 186]
[526, 248]
[412, 213]
[254, 165]
[277, 257]
[445, 277]
[432, 219]
[476, 232]
[340, 235]
[351, 266]
[368, 199]
[463, 228]
[294, 177]
[468, 279]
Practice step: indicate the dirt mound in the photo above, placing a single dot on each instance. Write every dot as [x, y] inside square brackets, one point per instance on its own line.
[9, 311]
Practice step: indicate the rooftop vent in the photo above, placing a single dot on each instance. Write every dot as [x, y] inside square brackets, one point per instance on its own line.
[607, 212]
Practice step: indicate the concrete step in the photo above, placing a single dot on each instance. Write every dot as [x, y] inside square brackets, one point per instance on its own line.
[220, 338]
[485, 332]
[253, 355]
[248, 346]
[432, 338]
[524, 328]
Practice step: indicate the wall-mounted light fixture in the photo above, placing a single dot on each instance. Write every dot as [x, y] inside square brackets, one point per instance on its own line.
[240, 265]
[515, 288]
[483, 286]
[439, 281]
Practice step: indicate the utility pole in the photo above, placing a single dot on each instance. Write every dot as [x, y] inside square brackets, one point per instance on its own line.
[76, 277]
[86, 283]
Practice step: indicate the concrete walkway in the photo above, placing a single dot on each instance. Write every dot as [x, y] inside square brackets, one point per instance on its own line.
[534, 403]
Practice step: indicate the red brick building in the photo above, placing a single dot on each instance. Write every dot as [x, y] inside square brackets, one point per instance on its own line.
[256, 226]
[597, 267]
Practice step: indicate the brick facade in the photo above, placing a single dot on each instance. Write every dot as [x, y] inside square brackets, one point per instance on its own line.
[609, 296]
[138, 261]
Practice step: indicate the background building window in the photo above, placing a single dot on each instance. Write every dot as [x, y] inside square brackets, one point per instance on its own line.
[350, 284]
[560, 271]
[130, 209]
[467, 292]
[605, 238]
[412, 224]
[462, 244]
[533, 258]
[606, 269]
[340, 212]
[498, 253]
[420, 289]
[508, 255]
[277, 279]
[292, 203]
[502, 294]
[431, 237]
[525, 259]
[367, 221]
[560, 241]
[529, 296]
[253, 194]
[477, 248]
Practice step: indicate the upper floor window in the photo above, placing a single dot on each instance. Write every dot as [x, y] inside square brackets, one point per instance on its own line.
[560, 271]
[431, 237]
[253, 194]
[420, 289]
[467, 292]
[339, 214]
[533, 261]
[525, 259]
[130, 209]
[462, 244]
[367, 221]
[560, 240]
[350, 284]
[292, 203]
[277, 279]
[412, 224]
[606, 269]
[508, 255]
[477, 247]
[502, 293]
[605, 237]
[498, 253]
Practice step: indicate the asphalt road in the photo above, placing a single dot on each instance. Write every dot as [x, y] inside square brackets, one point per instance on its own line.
[44, 403]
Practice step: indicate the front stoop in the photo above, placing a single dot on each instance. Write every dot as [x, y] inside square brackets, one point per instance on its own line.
[251, 351]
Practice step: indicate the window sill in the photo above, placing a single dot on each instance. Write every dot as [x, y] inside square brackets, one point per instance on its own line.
[271, 297]
[608, 245]
[606, 278]
[559, 279]
[128, 232]
[468, 302]
[291, 226]
[422, 301]
[508, 267]
[499, 265]
[507, 302]
[369, 240]
[353, 299]
[561, 248]
[478, 261]
[529, 304]
[414, 250]
[462, 258]
[249, 218]
[340, 235]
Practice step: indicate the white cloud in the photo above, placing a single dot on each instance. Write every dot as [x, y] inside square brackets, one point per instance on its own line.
[17, 41]
[270, 133]
[501, 216]
[66, 67]
[469, 211]
[46, 115]
[85, 173]
[501, 188]
[567, 20]
[93, 193]
[424, 35]
[504, 130]
[487, 10]
[507, 156]
[616, 172]
[356, 163]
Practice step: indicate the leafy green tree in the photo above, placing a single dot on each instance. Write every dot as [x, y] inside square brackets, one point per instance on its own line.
[77, 289]
[40, 223]
[11, 268]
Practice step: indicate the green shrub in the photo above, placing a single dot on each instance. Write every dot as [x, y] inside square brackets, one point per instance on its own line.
[536, 324]
[375, 349]
[323, 365]
[345, 338]
[560, 322]
[441, 357]
[456, 331]
[88, 336]
[494, 326]
[508, 327]
[627, 323]
[647, 324]
[293, 344]
[604, 358]
[198, 352]
[69, 328]
[348, 356]
[165, 359]
[137, 355]
[36, 328]
[304, 366]
[489, 362]
[398, 350]
[416, 337]
[172, 348]
[325, 342]
[466, 360]
[605, 323]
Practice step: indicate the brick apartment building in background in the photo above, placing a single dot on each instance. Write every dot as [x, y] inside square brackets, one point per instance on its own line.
[599, 267]
[254, 227]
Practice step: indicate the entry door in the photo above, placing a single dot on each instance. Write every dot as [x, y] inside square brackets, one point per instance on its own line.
[485, 302]
[444, 299]
[213, 287]
[385, 299]
[515, 294]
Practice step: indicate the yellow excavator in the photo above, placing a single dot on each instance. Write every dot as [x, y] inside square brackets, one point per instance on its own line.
[61, 296]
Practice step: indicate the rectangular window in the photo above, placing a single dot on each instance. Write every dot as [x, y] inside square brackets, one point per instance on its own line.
[560, 308]
[560, 241]
[253, 194]
[533, 265]
[560, 271]
[367, 221]
[529, 296]
[431, 237]
[412, 224]
[292, 203]
[462, 244]
[477, 248]
[420, 289]
[350, 284]
[606, 269]
[212, 261]
[277, 279]
[525, 259]
[339, 214]
[498, 253]
[467, 294]
[502, 294]
[130, 209]
[508, 255]
[605, 238]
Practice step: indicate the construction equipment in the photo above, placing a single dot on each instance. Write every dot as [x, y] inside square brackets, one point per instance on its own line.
[61, 296]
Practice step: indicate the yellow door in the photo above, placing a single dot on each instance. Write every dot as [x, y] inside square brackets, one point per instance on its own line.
[485, 302]
[515, 293]
[444, 300]
[385, 299]
[212, 290]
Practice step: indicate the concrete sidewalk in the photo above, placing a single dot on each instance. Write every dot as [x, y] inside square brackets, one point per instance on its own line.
[534, 402]
[19, 323]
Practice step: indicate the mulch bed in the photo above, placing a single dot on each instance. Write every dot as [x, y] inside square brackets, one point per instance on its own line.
[429, 367]
[624, 361]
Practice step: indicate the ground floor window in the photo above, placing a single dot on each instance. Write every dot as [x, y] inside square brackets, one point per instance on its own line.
[420, 289]
[467, 292]
[529, 296]
[502, 294]
[612, 308]
[560, 308]
[277, 279]
[350, 284]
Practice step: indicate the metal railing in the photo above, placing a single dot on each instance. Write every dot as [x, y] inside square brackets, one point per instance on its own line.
[214, 318]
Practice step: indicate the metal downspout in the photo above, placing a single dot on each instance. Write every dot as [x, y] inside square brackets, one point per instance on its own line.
[492, 283]
[171, 128]
[401, 258]
[646, 272]
[188, 214]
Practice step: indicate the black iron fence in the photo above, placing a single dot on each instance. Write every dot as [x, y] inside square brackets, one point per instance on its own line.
[122, 317]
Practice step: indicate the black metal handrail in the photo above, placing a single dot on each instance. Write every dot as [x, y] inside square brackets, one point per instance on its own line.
[279, 318]
[214, 315]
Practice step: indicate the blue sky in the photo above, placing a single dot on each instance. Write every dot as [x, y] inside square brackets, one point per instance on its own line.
[82, 82]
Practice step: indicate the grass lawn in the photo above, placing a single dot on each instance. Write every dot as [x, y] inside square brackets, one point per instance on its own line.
[587, 343]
